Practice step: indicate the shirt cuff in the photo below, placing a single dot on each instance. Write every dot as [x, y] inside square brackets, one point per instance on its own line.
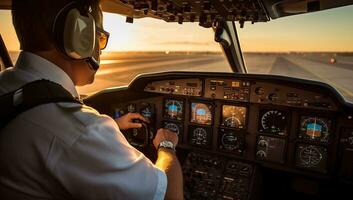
[161, 185]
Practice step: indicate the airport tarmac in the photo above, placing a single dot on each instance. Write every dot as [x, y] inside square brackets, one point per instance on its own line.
[119, 68]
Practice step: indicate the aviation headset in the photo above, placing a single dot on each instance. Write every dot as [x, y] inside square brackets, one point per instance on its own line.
[74, 32]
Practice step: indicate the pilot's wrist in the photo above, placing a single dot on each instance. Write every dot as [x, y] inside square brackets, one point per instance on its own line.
[166, 144]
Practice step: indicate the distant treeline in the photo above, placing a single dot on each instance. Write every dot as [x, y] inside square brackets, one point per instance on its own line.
[117, 54]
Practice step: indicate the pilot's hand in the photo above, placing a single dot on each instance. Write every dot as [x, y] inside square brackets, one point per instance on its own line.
[165, 134]
[127, 121]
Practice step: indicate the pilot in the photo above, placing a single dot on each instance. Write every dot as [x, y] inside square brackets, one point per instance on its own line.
[69, 150]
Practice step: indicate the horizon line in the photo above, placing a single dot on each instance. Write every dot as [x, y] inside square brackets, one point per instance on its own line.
[153, 51]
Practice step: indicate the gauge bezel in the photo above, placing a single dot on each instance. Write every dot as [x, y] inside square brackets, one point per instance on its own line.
[140, 107]
[240, 135]
[236, 105]
[181, 128]
[301, 134]
[209, 136]
[284, 150]
[212, 110]
[263, 110]
[164, 108]
[115, 110]
[321, 167]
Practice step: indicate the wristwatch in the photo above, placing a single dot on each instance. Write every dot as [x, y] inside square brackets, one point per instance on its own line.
[167, 144]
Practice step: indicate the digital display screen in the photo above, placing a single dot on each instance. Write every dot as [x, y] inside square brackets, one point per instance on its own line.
[311, 157]
[201, 113]
[174, 127]
[147, 111]
[131, 108]
[118, 112]
[273, 122]
[231, 141]
[235, 83]
[200, 136]
[173, 109]
[270, 149]
[315, 128]
[234, 116]
[191, 84]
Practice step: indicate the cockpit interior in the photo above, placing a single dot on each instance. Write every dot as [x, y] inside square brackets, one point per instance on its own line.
[241, 135]
[244, 136]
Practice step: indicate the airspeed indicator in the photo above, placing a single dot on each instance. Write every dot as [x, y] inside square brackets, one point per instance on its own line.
[273, 122]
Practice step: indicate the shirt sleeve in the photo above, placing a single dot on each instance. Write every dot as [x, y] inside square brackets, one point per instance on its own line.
[101, 164]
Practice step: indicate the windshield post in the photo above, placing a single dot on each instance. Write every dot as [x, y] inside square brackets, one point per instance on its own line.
[233, 52]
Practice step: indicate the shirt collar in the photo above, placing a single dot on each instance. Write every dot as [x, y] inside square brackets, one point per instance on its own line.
[44, 69]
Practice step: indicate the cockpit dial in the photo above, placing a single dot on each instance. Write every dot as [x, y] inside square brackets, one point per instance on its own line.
[273, 122]
[233, 116]
[174, 127]
[174, 109]
[147, 111]
[200, 136]
[315, 129]
[201, 113]
[311, 157]
[229, 140]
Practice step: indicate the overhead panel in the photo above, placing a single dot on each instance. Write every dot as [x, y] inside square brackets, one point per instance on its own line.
[203, 11]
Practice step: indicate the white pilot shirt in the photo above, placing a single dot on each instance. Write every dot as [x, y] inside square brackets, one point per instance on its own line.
[69, 150]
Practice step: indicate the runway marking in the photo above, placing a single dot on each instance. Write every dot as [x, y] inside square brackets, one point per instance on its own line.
[271, 67]
[108, 62]
[345, 62]
[149, 65]
[339, 87]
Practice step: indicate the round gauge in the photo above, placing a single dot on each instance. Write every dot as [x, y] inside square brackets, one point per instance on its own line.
[201, 113]
[147, 112]
[310, 156]
[273, 97]
[131, 108]
[259, 90]
[233, 116]
[232, 121]
[314, 128]
[230, 141]
[261, 154]
[262, 143]
[172, 127]
[274, 122]
[199, 136]
[118, 112]
[173, 109]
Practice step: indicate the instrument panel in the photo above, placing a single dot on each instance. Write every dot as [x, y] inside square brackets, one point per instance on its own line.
[201, 113]
[213, 114]
[282, 125]
[273, 121]
[315, 129]
[174, 109]
[311, 157]
[234, 116]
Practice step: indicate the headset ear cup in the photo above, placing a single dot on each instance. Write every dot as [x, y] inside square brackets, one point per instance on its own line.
[79, 35]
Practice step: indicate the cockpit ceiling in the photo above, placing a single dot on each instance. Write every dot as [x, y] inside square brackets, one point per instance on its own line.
[203, 11]
[206, 11]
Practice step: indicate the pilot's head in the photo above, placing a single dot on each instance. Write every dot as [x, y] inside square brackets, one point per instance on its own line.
[51, 28]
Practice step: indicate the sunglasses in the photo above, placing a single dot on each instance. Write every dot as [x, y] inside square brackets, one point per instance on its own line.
[103, 37]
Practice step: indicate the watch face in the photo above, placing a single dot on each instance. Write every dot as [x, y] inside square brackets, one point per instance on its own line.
[166, 144]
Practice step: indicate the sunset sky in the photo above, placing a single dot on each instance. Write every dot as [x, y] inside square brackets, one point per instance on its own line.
[322, 31]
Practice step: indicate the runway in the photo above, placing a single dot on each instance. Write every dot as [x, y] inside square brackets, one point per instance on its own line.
[119, 68]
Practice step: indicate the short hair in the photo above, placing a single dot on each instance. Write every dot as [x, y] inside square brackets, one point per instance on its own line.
[33, 21]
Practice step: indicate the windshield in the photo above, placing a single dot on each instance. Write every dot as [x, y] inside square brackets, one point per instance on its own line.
[316, 46]
[146, 46]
